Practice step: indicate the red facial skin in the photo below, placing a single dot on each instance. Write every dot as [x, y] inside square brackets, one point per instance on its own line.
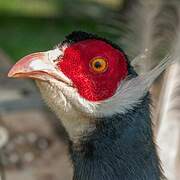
[92, 86]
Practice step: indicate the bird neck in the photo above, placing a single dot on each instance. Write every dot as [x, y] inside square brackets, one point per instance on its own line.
[121, 147]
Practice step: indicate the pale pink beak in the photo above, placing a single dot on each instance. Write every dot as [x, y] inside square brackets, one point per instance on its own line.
[41, 66]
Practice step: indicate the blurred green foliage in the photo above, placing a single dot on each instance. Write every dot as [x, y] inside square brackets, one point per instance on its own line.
[31, 7]
[20, 36]
[36, 25]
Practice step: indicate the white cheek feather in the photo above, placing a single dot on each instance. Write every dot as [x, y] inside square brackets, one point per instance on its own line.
[75, 122]
[131, 91]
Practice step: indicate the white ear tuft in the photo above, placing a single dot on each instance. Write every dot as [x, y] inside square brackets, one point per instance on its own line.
[132, 90]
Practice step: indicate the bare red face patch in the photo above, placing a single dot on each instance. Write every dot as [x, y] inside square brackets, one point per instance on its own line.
[95, 68]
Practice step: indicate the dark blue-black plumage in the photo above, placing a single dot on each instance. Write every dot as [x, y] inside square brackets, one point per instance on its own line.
[121, 148]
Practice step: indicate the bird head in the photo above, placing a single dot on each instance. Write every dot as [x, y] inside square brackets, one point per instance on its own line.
[84, 78]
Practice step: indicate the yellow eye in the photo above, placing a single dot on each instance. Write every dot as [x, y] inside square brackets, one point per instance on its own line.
[99, 65]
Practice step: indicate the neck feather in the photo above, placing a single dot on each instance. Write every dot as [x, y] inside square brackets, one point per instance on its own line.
[121, 147]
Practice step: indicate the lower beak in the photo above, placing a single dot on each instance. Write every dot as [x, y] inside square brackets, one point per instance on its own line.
[39, 66]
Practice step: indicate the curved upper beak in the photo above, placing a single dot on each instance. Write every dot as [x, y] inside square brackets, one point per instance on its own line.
[41, 65]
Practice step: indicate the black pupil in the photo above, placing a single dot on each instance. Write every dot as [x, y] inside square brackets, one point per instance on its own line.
[97, 65]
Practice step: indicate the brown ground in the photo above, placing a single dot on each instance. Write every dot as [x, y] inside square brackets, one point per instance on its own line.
[36, 149]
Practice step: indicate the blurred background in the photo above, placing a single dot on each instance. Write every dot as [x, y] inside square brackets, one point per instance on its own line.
[32, 140]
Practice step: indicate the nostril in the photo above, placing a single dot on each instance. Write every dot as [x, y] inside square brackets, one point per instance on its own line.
[56, 61]
[54, 55]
